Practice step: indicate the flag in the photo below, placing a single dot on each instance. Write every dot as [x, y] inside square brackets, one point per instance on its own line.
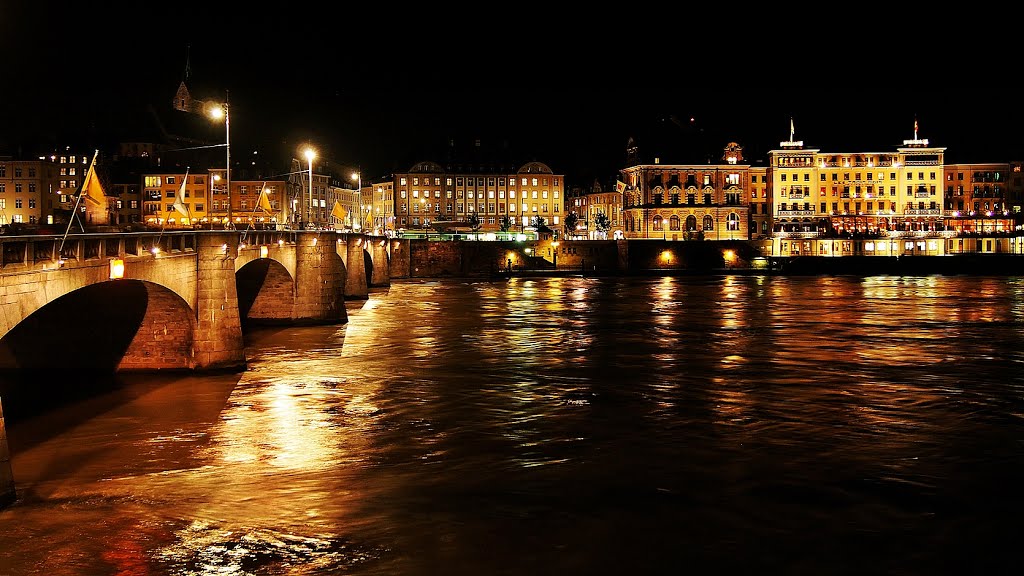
[264, 201]
[792, 130]
[92, 188]
[915, 127]
[620, 186]
[179, 197]
[338, 212]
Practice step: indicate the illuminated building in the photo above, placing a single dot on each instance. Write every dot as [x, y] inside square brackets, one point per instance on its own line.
[598, 201]
[760, 203]
[976, 198]
[159, 192]
[833, 204]
[431, 196]
[20, 187]
[686, 201]
[383, 203]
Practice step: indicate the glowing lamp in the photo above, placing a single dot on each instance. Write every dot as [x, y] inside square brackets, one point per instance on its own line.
[116, 269]
[264, 251]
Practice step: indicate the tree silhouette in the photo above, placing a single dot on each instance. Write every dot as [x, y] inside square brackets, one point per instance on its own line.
[569, 224]
[474, 221]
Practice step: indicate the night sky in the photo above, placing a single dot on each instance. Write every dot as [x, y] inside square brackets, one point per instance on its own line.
[395, 89]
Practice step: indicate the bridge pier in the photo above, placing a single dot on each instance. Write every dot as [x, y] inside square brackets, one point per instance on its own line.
[400, 265]
[355, 283]
[381, 275]
[7, 492]
[319, 283]
[217, 340]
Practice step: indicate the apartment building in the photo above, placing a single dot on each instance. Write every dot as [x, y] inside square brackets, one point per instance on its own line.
[527, 199]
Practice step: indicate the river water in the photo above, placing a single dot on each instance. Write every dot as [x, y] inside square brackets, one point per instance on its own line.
[755, 424]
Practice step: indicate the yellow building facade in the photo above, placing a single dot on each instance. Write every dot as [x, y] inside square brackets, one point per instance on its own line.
[428, 194]
[835, 203]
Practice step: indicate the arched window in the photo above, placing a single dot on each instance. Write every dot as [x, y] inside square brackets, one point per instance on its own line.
[657, 223]
[732, 222]
[691, 223]
[673, 222]
[709, 222]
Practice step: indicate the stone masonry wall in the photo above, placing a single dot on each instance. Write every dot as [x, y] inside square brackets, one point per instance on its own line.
[275, 300]
[164, 338]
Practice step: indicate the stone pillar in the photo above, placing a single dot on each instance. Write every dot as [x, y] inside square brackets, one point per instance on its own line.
[217, 341]
[319, 283]
[356, 286]
[622, 264]
[381, 265]
[401, 258]
[7, 493]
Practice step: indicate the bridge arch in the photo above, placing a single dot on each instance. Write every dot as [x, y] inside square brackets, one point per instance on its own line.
[106, 327]
[266, 292]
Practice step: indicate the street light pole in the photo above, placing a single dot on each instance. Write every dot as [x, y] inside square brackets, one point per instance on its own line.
[358, 177]
[227, 146]
[224, 109]
[310, 154]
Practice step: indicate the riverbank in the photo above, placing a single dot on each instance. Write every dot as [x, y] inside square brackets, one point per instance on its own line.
[965, 264]
[969, 264]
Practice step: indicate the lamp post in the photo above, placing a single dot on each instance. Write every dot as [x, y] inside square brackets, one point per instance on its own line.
[357, 177]
[310, 154]
[216, 112]
[213, 188]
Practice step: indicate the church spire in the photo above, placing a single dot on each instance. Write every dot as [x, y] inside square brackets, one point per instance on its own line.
[188, 64]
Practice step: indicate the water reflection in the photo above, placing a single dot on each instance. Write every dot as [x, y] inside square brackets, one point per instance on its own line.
[583, 425]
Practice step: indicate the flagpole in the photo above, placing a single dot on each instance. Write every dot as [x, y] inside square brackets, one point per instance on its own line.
[179, 200]
[248, 225]
[74, 211]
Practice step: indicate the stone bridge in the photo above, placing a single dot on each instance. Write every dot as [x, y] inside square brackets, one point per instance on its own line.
[174, 300]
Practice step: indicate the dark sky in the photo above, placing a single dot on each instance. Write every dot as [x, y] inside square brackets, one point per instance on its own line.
[393, 89]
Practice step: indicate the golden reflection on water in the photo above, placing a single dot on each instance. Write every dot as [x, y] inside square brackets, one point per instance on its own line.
[733, 303]
[455, 421]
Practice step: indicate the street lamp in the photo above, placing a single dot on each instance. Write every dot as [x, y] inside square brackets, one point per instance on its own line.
[216, 112]
[310, 154]
[357, 177]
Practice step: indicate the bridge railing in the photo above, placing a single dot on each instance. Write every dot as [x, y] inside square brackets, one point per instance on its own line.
[44, 250]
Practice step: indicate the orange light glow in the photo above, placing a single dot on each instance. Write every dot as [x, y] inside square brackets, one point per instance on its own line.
[116, 269]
